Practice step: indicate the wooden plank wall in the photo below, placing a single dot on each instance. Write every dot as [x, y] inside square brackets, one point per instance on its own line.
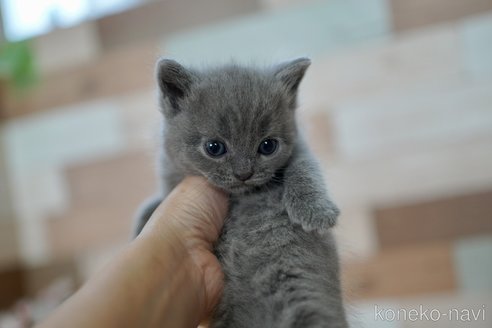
[409, 271]
[444, 219]
[419, 13]
[114, 73]
[12, 286]
[165, 17]
[105, 197]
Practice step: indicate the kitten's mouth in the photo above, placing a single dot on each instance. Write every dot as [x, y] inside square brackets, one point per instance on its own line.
[238, 187]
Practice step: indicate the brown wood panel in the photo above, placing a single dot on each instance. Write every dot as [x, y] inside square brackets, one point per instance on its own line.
[9, 246]
[417, 13]
[86, 230]
[124, 179]
[117, 72]
[19, 282]
[39, 278]
[12, 286]
[401, 272]
[105, 196]
[432, 220]
[159, 18]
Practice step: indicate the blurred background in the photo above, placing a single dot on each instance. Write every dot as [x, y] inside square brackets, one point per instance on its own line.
[397, 105]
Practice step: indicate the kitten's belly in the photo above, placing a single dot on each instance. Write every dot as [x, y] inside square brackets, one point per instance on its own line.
[269, 263]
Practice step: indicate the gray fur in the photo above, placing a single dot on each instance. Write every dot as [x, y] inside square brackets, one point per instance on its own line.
[277, 252]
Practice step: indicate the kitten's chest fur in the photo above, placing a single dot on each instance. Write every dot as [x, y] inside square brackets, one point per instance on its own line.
[258, 235]
[257, 222]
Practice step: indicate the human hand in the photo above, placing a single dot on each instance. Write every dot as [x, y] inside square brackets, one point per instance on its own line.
[193, 215]
[167, 277]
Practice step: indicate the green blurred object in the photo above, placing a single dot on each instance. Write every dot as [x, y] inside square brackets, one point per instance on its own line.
[17, 66]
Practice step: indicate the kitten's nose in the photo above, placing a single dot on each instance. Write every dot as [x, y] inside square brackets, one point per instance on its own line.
[243, 176]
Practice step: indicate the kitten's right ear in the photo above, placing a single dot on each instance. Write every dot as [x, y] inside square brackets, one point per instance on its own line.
[290, 74]
[174, 82]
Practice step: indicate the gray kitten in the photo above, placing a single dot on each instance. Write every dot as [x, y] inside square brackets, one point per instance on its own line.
[236, 126]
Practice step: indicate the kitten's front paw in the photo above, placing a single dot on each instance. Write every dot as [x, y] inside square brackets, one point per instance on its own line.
[319, 215]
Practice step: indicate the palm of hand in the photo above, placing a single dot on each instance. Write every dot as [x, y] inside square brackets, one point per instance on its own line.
[198, 212]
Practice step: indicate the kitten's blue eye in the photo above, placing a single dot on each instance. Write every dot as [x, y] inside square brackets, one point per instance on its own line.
[268, 146]
[215, 148]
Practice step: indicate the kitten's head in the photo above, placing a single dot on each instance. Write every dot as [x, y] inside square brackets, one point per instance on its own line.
[234, 125]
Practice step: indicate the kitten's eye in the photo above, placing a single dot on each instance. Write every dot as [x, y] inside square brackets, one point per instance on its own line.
[268, 146]
[215, 148]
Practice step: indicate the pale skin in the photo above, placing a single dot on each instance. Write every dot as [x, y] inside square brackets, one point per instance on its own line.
[167, 277]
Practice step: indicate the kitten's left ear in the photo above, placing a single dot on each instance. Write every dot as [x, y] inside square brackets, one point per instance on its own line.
[291, 74]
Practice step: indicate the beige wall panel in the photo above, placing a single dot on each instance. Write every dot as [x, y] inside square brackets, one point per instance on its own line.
[417, 13]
